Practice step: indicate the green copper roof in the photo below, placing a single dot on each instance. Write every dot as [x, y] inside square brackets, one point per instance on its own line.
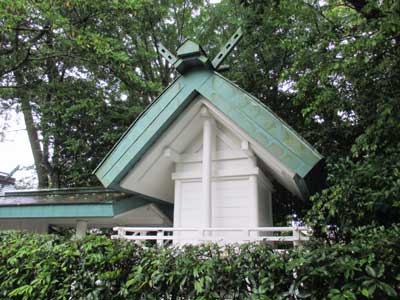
[248, 113]
[70, 203]
[191, 56]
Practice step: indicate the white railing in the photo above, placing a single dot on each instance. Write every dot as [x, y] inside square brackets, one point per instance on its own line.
[294, 235]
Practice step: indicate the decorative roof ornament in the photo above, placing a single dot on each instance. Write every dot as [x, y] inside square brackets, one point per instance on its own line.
[191, 55]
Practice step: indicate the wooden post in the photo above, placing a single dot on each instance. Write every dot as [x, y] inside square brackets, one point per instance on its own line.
[177, 211]
[121, 233]
[208, 141]
[160, 233]
[296, 236]
[253, 190]
[253, 205]
[81, 228]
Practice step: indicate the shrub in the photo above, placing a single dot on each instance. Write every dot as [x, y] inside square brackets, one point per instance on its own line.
[51, 267]
[368, 267]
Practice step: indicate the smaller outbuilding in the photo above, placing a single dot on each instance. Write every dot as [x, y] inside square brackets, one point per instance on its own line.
[212, 150]
[81, 208]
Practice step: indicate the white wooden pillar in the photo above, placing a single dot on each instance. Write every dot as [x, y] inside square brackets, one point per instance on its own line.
[253, 205]
[253, 189]
[208, 145]
[81, 228]
[177, 204]
[177, 210]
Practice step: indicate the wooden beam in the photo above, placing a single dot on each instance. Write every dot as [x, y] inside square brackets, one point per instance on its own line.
[227, 49]
[169, 57]
[245, 146]
[172, 155]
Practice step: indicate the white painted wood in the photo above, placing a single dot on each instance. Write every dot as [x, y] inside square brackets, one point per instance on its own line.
[265, 205]
[245, 146]
[217, 156]
[178, 203]
[218, 235]
[227, 141]
[217, 174]
[151, 175]
[160, 238]
[147, 215]
[196, 229]
[172, 155]
[206, 165]
[188, 211]
[296, 237]
[196, 145]
[253, 203]
[208, 139]
[191, 204]
[279, 171]
[232, 197]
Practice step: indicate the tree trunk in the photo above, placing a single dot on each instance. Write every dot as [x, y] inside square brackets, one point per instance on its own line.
[34, 141]
[26, 108]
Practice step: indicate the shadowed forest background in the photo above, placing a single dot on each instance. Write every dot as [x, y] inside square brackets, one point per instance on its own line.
[81, 71]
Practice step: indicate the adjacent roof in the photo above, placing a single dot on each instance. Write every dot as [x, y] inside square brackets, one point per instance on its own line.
[241, 108]
[71, 203]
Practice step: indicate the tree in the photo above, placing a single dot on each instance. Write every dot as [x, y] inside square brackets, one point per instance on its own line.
[342, 69]
[81, 72]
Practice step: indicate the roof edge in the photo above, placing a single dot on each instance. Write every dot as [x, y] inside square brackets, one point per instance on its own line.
[59, 191]
[133, 124]
[311, 148]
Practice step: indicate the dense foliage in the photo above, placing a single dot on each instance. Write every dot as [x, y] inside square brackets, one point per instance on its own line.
[50, 267]
[81, 71]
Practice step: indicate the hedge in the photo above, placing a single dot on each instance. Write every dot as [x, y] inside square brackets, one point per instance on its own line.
[51, 267]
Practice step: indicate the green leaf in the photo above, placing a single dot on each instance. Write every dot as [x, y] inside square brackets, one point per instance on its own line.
[390, 291]
[370, 271]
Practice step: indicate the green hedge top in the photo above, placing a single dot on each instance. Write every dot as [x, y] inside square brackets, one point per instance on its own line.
[50, 267]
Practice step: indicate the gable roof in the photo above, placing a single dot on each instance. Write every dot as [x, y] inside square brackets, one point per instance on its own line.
[241, 108]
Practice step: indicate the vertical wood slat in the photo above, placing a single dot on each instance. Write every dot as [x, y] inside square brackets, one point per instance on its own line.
[296, 236]
[160, 242]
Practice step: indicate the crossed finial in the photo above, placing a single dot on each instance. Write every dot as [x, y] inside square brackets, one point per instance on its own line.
[191, 55]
